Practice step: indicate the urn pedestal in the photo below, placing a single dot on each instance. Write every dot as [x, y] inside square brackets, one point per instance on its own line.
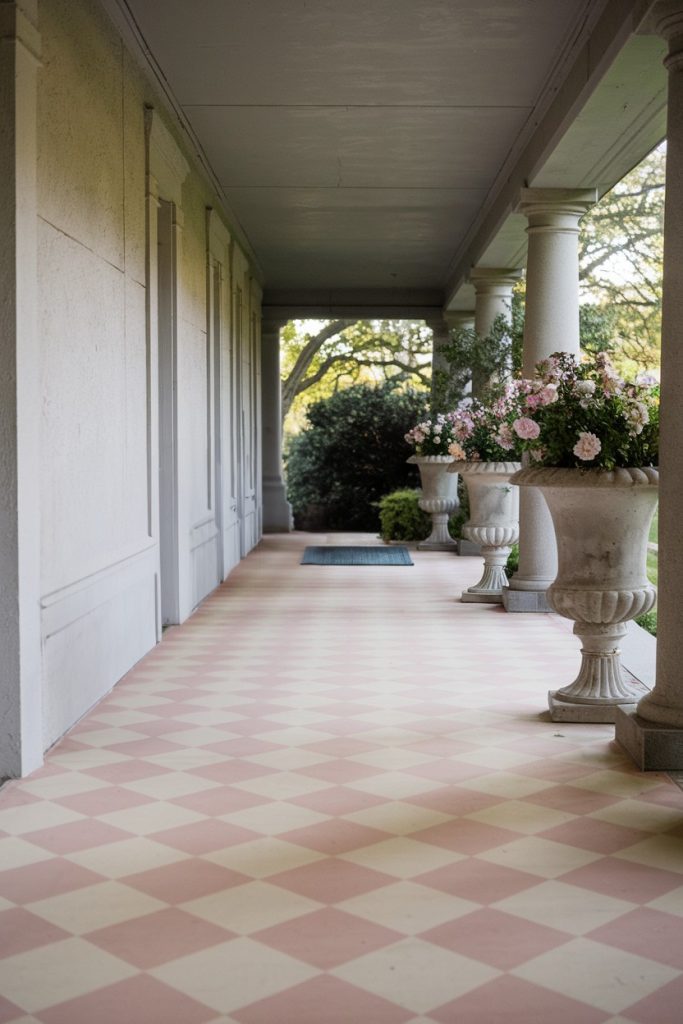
[493, 523]
[439, 499]
[601, 520]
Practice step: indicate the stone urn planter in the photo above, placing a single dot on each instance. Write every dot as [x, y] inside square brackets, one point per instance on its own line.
[602, 520]
[439, 499]
[493, 522]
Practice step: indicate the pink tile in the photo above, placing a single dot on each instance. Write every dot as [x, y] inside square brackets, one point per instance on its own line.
[668, 795]
[155, 939]
[144, 747]
[340, 746]
[466, 836]
[555, 771]
[8, 1011]
[204, 836]
[572, 800]
[138, 1000]
[454, 800]
[334, 836]
[327, 938]
[447, 771]
[662, 1007]
[219, 800]
[508, 1000]
[21, 931]
[498, 939]
[595, 835]
[247, 746]
[229, 772]
[323, 999]
[76, 835]
[340, 771]
[103, 801]
[646, 932]
[331, 880]
[185, 880]
[477, 880]
[625, 880]
[12, 795]
[122, 772]
[44, 879]
[338, 800]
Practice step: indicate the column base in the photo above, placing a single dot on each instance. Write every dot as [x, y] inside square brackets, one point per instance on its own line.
[468, 548]
[277, 512]
[437, 545]
[653, 747]
[525, 600]
[480, 597]
[566, 711]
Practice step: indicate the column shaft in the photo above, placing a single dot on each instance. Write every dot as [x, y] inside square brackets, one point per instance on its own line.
[551, 324]
[277, 512]
[654, 736]
[493, 299]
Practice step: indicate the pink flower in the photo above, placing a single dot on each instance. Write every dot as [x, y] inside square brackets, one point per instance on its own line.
[526, 428]
[456, 451]
[587, 447]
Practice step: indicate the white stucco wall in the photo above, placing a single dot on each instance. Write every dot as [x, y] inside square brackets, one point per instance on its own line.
[99, 516]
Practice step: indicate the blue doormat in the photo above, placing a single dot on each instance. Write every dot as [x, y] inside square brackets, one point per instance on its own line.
[356, 556]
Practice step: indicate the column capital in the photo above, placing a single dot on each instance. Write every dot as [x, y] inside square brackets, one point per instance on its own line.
[459, 318]
[494, 280]
[667, 20]
[271, 327]
[555, 209]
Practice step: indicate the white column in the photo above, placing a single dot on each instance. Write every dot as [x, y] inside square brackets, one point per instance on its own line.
[277, 512]
[21, 746]
[493, 298]
[654, 734]
[551, 324]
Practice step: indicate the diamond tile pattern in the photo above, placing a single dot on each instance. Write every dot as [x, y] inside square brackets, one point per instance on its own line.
[331, 797]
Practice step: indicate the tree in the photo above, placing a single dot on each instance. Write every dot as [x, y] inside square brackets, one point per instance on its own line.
[339, 353]
[351, 453]
[621, 261]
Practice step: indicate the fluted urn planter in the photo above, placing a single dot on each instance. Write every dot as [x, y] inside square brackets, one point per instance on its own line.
[439, 499]
[602, 520]
[493, 523]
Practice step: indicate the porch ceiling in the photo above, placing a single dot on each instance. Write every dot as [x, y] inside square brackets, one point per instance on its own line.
[369, 150]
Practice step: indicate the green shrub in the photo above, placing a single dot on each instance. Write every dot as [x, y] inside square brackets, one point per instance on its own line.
[648, 621]
[401, 518]
[512, 564]
[352, 453]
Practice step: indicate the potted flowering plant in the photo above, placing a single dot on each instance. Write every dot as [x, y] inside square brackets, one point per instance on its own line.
[486, 450]
[592, 443]
[431, 440]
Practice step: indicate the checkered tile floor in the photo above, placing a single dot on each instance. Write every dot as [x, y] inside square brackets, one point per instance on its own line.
[329, 798]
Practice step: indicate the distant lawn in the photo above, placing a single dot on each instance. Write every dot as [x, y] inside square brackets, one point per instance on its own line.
[654, 529]
[652, 566]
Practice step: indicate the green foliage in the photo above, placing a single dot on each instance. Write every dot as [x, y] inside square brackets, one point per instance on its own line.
[470, 357]
[512, 564]
[320, 357]
[401, 518]
[352, 453]
[648, 621]
[621, 264]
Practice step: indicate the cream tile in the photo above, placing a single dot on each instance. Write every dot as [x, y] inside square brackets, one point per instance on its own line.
[282, 785]
[402, 857]
[275, 817]
[391, 759]
[97, 906]
[170, 785]
[150, 818]
[288, 760]
[599, 975]
[263, 857]
[521, 817]
[106, 737]
[398, 817]
[541, 857]
[393, 785]
[234, 974]
[664, 852]
[32, 817]
[182, 760]
[52, 787]
[642, 815]
[416, 974]
[670, 903]
[618, 783]
[408, 907]
[249, 908]
[115, 860]
[58, 972]
[16, 852]
[565, 907]
[506, 785]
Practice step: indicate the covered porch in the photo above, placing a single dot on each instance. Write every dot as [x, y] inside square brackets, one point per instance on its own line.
[331, 796]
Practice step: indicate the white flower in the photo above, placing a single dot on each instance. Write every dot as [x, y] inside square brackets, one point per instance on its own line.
[587, 447]
[585, 387]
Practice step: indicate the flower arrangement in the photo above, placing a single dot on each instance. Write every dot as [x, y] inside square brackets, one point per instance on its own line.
[484, 429]
[583, 415]
[432, 437]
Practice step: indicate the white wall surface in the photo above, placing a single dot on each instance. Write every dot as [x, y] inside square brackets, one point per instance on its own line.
[98, 348]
